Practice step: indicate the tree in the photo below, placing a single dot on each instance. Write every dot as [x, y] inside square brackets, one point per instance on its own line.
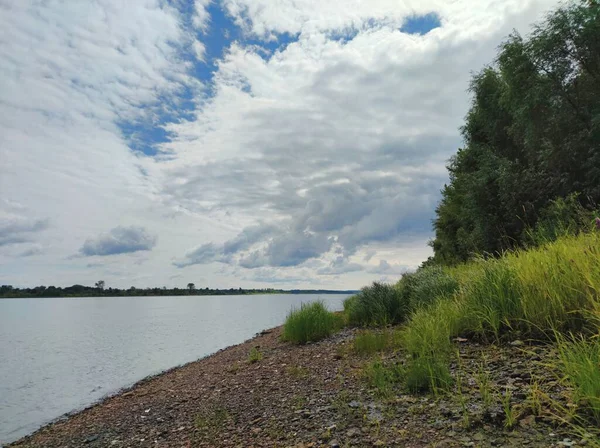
[532, 136]
[191, 286]
[100, 285]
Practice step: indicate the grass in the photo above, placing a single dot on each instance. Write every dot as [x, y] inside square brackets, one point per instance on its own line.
[311, 322]
[255, 355]
[381, 377]
[542, 292]
[580, 363]
[212, 421]
[377, 305]
[368, 342]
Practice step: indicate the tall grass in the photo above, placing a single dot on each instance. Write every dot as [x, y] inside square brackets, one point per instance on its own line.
[311, 322]
[550, 290]
[580, 363]
[377, 305]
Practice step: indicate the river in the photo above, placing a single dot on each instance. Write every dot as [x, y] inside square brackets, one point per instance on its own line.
[63, 354]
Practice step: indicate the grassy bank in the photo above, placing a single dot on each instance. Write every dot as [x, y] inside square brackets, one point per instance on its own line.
[546, 295]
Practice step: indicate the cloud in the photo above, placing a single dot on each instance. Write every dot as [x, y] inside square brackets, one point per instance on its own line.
[321, 130]
[17, 226]
[386, 268]
[120, 240]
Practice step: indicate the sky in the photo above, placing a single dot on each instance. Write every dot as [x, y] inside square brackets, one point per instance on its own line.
[232, 143]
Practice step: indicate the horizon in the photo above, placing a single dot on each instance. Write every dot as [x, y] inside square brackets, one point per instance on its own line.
[233, 142]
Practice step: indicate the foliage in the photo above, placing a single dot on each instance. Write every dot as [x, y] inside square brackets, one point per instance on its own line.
[379, 304]
[311, 322]
[532, 136]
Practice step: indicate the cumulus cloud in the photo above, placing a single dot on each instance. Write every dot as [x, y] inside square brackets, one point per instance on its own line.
[289, 164]
[120, 240]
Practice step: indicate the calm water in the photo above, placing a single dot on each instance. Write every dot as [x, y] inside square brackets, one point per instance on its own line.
[58, 355]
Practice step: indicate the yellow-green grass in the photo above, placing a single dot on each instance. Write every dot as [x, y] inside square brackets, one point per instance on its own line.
[368, 342]
[553, 289]
[309, 323]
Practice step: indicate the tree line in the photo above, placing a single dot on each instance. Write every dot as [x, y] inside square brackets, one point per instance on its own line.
[530, 165]
[99, 290]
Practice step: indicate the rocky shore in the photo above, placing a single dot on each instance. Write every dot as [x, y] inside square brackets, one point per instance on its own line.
[267, 393]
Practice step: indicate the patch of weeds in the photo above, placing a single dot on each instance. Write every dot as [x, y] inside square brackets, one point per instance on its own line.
[255, 355]
[382, 378]
[233, 368]
[297, 371]
[212, 421]
[535, 398]
[298, 402]
[462, 398]
[427, 373]
[368, 342]
[510, 413]
[485, 386]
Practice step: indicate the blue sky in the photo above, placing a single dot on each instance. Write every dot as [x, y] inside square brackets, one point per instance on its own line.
[233, 143]
[146, 136]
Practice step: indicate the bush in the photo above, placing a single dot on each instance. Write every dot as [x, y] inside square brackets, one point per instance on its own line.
[377, 305]
[311, 322]
[427, 373]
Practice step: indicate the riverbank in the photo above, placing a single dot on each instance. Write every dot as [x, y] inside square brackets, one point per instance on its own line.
[268, 393]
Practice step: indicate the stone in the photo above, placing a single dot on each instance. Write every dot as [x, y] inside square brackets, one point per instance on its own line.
[334, 444]
[517, 343]
[353, 432]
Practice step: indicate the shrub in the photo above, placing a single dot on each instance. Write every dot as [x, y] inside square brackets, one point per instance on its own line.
[311, 322]
[377, 305]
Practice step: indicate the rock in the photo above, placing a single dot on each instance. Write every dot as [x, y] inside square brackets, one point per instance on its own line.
[354, 404]
[353, 432]
[91, 439]
[566, 442]
[334, 444]
[517, 343]
[460, 340]
[379, 443]
[527, 421]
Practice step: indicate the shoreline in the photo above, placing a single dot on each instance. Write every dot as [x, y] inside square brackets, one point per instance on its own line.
[123, 391]
[307, 396]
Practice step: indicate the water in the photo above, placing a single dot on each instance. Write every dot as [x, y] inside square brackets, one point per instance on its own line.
[59, 355]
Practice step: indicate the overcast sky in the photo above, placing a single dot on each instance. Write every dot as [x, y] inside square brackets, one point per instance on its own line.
[233, 143]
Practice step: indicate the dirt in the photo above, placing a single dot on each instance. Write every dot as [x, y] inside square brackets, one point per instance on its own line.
[316, 395]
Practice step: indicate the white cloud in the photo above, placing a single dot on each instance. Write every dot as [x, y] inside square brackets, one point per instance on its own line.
[326, 149]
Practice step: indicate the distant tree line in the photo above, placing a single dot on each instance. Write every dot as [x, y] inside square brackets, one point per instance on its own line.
[8, 291]
[531, 156]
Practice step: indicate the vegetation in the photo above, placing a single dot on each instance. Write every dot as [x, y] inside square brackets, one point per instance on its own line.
[532, 141]
[368, 342]
[255, 355]
[8, 291]
[379, 304]
[310, 323]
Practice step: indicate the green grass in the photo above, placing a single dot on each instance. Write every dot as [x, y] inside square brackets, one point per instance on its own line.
[368, 342]
[550, 290]
[311, 322]
[377, 305]
[580, 363]
[255, 355]
[381, 377]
